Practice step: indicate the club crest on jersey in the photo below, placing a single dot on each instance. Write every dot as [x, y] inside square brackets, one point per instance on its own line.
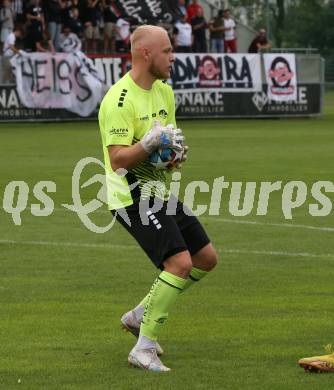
[163, 114]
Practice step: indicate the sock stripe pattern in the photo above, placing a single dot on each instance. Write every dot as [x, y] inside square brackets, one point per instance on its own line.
[194, 279]
[164, 281]
[195, 276]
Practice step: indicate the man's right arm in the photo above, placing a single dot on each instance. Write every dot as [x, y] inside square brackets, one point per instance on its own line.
[126, 157]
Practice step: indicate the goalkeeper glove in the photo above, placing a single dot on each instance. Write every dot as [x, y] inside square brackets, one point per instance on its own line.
[159, 136]
[184, 157]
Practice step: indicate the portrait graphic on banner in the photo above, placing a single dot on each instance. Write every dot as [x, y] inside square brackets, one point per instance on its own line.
[281, 76]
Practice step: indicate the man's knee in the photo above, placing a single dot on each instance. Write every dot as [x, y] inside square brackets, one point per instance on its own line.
[179, 264]
[212, 259]
[206, 258]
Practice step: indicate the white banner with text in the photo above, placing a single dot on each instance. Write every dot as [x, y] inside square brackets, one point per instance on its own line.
[68, 81]
[217, 72]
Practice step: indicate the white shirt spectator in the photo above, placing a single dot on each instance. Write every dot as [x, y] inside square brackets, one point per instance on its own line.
[7, 22]
[9, 42]
[229, 34]
[123, 29]
[70, 43]
[184, 34]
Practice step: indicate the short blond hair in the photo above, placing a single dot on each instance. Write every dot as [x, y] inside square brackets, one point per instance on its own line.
[144, 34]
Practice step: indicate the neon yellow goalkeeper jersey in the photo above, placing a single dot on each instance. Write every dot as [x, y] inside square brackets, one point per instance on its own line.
[127, 112]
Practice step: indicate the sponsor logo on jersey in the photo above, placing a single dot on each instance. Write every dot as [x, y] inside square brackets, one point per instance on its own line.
[121, 132]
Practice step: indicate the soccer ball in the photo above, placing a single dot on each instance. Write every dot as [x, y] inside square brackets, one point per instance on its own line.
[165, 158]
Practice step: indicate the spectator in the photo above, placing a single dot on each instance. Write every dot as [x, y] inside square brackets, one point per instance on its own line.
[91, 32]
[36, 27]
[66, 8]
[230, 40]
[166, 25]
[18, 9]
[54, 19]
[70, 42]
[100, 18]
[260, 42]
[183, 38]
[46, 45]
[9, 48]
[181, 9]
[7, 20]
[123, 35]
[110, 29]
[192, 9]
[74, 22]
[216, 27]
[199, 26]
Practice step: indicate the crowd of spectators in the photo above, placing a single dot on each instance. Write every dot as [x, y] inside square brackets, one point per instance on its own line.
[43, 24]
[190, 30]
[98, 27]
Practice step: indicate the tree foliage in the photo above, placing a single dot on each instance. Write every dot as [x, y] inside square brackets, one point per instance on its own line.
[293, 23]
[310, 23]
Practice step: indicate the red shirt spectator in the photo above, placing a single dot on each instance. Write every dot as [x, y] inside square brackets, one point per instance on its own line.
[193, 9]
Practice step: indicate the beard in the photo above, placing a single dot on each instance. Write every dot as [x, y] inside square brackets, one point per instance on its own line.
[157, 73]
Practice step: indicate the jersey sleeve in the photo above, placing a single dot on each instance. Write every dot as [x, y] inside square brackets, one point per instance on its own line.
[119, 124]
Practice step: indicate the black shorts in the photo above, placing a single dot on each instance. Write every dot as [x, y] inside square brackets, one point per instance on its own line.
[164, 235]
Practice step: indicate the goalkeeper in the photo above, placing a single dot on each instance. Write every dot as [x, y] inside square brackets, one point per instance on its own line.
[133, 121]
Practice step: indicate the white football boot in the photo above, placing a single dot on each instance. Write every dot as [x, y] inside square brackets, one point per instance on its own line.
[130, 324]
[147, 359]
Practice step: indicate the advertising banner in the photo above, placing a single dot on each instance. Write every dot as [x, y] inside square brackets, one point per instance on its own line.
[71, 86]
[68, 81]
[216, 104]
[219, 72]
[281, 77]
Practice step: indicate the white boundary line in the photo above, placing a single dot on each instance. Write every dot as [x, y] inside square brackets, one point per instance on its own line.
[113, 246]
[281, 225]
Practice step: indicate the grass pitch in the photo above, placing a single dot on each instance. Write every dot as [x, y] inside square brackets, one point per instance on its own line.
[268, 303]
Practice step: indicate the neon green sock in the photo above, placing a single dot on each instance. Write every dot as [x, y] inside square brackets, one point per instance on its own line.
[161, 298]
[195, 275]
